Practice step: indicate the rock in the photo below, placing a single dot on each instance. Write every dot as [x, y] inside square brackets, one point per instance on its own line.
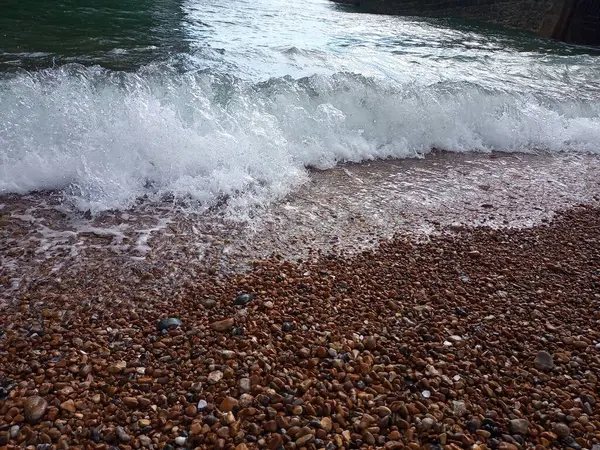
[244, 385]
[190, 411]
[34, 408]
[14, 431]
[145, 441]
[116, 368]
[69, 406]
[519, 426]
[180, 440]
[427, 423]
[243, 299]
[208, 303]
[130, 402]
[287, 327]
[543, 361]
[223, 325]
[562, 430]
[304, 440]
[570, 442]
[166, 324]
[215, 376]
[202, 405]
[122, 435]
[370, 343]
[269, 304]
[228, 404]
[461, 312]
[326, 424]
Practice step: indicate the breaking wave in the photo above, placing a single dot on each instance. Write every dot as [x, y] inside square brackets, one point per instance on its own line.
[108, 138]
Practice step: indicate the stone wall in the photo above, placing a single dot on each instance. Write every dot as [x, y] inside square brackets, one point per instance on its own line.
[540, 16]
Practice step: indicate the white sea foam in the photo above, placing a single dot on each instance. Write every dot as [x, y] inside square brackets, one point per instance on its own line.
[108, 138]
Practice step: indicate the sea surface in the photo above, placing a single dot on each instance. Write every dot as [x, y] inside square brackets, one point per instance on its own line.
[232, 104]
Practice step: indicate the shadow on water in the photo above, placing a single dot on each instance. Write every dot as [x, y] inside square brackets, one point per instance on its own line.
[518, 40]
[114, 34]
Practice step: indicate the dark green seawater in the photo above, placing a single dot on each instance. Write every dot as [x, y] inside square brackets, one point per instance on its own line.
[109, 101]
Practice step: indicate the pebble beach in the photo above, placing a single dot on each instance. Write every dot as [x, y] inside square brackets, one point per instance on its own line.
[472, 339]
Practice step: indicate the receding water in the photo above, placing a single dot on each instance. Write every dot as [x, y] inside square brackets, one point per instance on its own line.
[112, 101]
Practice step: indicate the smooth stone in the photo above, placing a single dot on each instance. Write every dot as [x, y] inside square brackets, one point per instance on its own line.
[543, 361]
[223, 325]
[243, 299]
[171, 322]
[215, 376]
[122, 435]
[208, 302]
[202, 404]
[562, 430]
[287, 327]
[14, 431]
[180, 440]
[34, 408]
[518, 426]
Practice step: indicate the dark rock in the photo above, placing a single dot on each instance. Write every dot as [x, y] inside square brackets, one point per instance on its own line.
[243, 299]
[237, 331]
[544, 361]
[473, 425]
[287, 327]
[461, 312]
[570, 442]
[169, 323]
[519, 426]
[562, 430]
[210, 420]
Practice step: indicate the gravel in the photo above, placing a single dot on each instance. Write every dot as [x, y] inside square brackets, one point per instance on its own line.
[338, 352]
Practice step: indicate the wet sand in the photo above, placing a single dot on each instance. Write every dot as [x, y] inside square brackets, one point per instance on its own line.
[427, 332]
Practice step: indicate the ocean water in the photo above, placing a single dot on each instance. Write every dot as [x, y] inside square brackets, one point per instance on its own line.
[233, 102]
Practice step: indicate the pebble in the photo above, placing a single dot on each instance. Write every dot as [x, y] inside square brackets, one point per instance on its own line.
[180, 440]
[243, 299]
[228, 404]
[34, 409]
[244, 385]
[223, 325]
[562, 430]
[544, 361]
[370, 343]
[215, 376]
[14, 431]
[166, 324]
[519, 426]
[122, 435]
[69, 406]
[208, 303]
[202, 405]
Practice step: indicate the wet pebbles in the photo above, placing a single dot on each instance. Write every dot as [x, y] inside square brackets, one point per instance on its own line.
[477, 339]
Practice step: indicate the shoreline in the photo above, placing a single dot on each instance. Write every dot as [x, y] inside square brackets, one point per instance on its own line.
[345, 210]
[426, 345]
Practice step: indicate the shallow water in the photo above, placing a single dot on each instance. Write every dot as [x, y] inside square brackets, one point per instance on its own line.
[110, 102]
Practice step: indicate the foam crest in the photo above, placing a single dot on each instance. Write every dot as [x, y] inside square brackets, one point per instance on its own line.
[109, 138]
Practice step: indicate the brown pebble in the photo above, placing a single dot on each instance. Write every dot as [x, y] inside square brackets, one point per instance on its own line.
[34, 408]
[223, 325]
[228, 404]
[69, 406]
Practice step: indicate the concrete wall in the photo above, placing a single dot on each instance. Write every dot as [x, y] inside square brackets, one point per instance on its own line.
[561, 19]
